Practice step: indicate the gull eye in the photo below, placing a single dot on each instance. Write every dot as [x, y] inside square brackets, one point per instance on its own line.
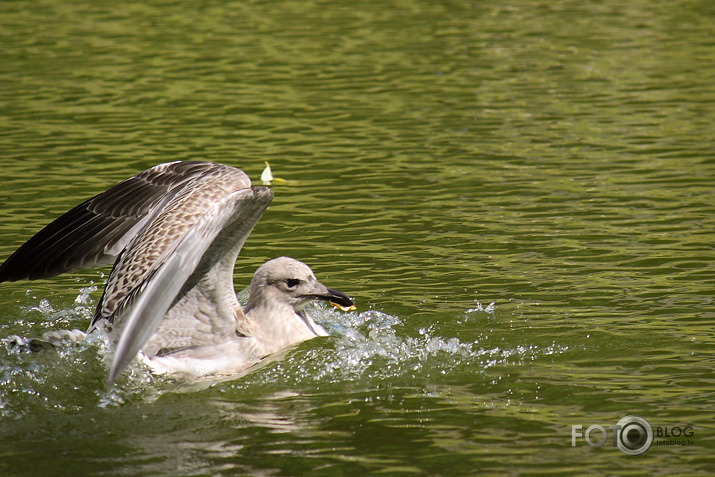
[292, 282]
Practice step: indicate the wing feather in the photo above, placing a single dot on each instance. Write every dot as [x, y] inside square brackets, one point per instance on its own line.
[96, 231]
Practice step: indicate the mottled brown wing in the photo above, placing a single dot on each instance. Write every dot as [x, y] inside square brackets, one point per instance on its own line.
[95, 232]
[207, 244]
[189, 203]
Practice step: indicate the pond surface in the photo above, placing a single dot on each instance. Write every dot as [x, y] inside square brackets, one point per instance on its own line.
[520, 196]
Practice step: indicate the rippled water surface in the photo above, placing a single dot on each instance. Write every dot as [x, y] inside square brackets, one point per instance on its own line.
[519, 195]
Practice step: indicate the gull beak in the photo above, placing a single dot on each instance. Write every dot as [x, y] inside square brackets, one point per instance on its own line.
[337, 299]
[341, 300]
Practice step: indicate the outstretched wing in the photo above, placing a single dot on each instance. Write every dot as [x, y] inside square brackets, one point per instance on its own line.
[96, 231]
[200, 245]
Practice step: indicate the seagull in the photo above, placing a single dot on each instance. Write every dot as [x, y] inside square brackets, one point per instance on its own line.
[174, 233]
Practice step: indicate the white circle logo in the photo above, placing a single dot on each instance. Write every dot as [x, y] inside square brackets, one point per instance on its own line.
[634, 435]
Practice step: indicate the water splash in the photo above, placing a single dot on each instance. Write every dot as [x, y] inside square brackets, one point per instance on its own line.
[490, 308]
[368, 346]
[81, 312]
[375, 345]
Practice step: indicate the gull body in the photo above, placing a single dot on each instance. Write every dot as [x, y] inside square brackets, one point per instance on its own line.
[174, 233]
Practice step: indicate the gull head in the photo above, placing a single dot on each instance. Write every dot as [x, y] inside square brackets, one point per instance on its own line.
[286, 281]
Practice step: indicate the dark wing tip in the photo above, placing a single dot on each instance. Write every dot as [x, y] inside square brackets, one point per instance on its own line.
[83, 236]
[263, 194]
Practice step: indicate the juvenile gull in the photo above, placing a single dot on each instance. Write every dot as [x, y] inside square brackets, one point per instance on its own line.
[174, 233]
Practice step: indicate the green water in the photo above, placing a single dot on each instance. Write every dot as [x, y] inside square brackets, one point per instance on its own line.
[552, 158]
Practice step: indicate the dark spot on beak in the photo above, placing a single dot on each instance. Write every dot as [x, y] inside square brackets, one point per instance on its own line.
[334, 296]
